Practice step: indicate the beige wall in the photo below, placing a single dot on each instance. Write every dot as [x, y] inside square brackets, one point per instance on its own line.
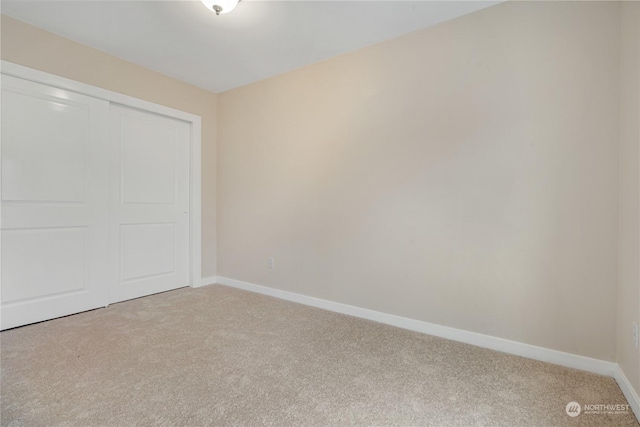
[465, 175]
[629, 267]
[35, 48]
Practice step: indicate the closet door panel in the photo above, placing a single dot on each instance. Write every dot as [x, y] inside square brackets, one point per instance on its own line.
[150, 203]
[55, 201]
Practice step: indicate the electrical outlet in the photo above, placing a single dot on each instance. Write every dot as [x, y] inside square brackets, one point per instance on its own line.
[635, 334]
[270, 262]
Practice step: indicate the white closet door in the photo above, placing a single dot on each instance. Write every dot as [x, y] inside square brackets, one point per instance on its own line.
[55, 196]
[149, 202]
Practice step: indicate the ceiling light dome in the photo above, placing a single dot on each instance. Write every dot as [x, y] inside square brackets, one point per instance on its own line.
[220, 6]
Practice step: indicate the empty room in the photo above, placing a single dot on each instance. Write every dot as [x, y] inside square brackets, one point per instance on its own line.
[319, 213]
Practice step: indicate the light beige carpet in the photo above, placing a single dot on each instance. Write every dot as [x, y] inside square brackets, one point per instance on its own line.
[219, 356]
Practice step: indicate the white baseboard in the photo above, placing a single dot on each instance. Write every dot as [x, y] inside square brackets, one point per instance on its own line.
[628, 391]
[506, 346]
[207, 281]
[556, 357]
[486, 341]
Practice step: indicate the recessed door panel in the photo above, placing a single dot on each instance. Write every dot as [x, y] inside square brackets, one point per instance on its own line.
[33, 258]
[55, 201]
[150, 203]
[147, 250]
[148, 161]
[44, 151]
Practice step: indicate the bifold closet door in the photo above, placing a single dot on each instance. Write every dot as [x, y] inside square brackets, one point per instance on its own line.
[149, 203]
[55, 201]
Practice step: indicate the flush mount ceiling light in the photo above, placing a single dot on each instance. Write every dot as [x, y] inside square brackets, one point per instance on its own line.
[220, 6]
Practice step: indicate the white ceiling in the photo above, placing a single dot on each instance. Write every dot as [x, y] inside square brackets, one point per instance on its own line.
[258, 39]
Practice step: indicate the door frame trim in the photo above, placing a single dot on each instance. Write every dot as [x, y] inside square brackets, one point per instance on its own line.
[195, 165]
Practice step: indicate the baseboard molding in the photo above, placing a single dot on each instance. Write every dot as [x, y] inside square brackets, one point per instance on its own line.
[207, 281]
[486, 341]
[542, 354]
[628, 391]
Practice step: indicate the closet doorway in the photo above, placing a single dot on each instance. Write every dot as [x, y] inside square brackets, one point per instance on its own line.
[98, 198]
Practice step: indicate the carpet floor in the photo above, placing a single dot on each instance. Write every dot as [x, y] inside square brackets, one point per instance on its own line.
[223, 357]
